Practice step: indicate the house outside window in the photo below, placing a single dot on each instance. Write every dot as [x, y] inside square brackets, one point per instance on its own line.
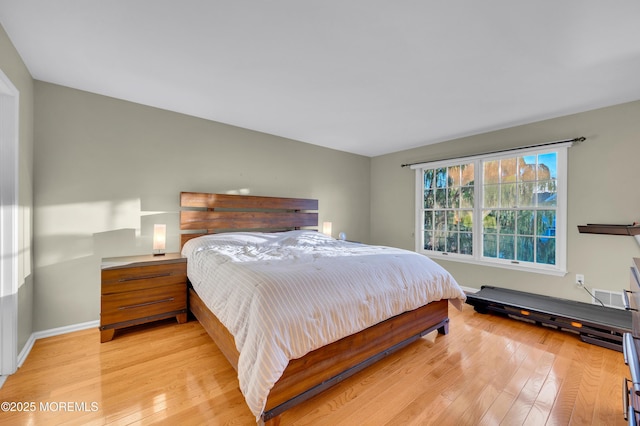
[504, 209]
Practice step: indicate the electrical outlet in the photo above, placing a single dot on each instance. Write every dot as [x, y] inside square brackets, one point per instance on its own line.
[579, 280]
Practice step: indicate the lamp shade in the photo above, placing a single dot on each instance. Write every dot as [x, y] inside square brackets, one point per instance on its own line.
[326, 228]
[159, 238]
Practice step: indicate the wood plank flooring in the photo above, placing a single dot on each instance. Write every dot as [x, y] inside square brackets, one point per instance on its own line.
[487, 371]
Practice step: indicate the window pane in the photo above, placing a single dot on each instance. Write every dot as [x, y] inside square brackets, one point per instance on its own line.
[490, 245]
[525, 222]
[525, 249]
[527, 168]
[508, 195]
[441, 178]
[490, 222]
[468, 176]
[441, 199]
[507, 221]
[452, 242]
[428, 199]
[506, 246]
[490, 172]
[508, 170]
[454, 198]
[439, 241]
[428, 220]
[466, 199]
[428, 240]
[547, 166]
[452, 221]
[547, 193]
[526, 194]
[466, 243]
[454, 176]
[466, 220]
[428, 179]
[439, 220]
[546, 223]
[491, 195]
[546, 251]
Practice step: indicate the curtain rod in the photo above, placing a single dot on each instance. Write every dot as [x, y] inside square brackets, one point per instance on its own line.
[576, 140]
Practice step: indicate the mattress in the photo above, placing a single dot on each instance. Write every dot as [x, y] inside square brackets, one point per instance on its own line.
[282, 295]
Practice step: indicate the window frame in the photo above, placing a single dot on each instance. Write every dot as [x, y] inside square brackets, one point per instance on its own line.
[478, 258]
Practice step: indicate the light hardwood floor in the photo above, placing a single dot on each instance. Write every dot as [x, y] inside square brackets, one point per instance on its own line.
[488, 370]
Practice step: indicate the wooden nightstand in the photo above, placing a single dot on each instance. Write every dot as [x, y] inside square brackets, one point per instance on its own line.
[140, 289]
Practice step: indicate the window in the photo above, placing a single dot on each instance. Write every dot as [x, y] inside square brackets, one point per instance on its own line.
[506, 210]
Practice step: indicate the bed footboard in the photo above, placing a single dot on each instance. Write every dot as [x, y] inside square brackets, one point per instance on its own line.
[320, 369]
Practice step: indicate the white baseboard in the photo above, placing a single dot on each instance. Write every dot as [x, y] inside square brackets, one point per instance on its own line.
[469, 289]
[22, 356]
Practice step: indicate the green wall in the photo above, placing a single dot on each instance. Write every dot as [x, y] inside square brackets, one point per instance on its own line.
[602, 188]
[106, 170]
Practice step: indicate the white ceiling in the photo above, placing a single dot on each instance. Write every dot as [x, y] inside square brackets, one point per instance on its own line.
[363, 76]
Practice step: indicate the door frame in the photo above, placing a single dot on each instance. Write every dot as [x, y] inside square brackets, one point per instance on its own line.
[9, 211]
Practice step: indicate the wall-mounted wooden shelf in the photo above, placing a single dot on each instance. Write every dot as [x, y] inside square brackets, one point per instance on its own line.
[593, 228]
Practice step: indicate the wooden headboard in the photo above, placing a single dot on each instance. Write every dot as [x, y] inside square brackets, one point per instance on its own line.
[203, 213]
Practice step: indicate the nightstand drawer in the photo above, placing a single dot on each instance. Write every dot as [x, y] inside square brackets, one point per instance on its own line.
[141, 289]
[142, 277]
[121, 307]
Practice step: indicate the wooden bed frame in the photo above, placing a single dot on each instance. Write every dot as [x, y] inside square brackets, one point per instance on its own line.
[320, 369]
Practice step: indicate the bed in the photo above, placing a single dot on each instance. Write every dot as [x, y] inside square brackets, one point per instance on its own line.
[264, 253]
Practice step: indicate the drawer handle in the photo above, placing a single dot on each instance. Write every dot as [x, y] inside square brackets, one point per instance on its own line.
[145, 277]
[625, 397]
[625, 300]
[139, 305]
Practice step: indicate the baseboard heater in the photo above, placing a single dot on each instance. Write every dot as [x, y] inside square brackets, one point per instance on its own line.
[598, 325]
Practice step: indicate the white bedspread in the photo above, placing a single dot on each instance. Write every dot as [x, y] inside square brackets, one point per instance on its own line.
[284, 294]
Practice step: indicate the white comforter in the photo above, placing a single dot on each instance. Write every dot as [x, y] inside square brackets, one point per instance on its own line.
[284, 294]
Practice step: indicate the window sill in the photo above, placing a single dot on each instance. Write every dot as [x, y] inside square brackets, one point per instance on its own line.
[504, 265]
